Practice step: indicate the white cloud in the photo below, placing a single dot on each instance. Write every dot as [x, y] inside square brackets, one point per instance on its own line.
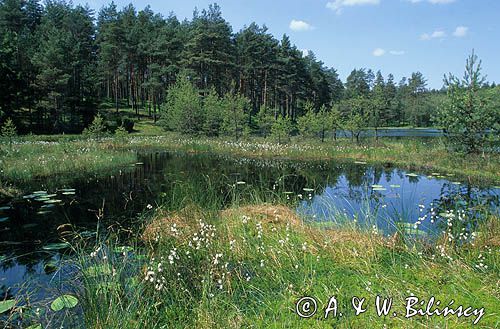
[397, 52]
[438, 34]
[461, 31]
[299, 26]
[378, 52]
[337, 5]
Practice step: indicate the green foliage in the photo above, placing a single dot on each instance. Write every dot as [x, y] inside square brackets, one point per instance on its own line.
[64, 301]
[121, 132]
[235, 115]
[334, 120]
[466, 116]
[6, 305]
[96, 128]
[214, 114]
[282, 129]
[183, 110]
[8, 131]
[264, 120]
[126, 123]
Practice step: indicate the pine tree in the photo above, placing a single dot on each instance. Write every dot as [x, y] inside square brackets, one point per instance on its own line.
[282, 128]
[9, 131]
[183, 111]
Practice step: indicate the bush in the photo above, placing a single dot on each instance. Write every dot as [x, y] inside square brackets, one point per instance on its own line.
[126, 123]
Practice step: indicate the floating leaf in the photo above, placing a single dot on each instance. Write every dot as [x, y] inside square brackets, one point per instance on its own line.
[42, 199]
[52, 201]
[67, 190]
[6, 305]
[412, 175]
[64, 301]
[380, 189]
[3, 219]
[56, 246]
[50, 267]
[47, 206]
[5, 208]
[360, 162]
[395, 186]
[40, 192]
[456, 183]
[377, 186]
[139, 163]
[308, 189]
[69, 193]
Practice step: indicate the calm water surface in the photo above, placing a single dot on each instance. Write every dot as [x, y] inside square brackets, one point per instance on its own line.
[324, 192]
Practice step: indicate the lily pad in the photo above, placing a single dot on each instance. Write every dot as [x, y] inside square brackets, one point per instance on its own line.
[308, 189]
[5, 208]
[69, 193]
[395, 186]
[456, 183]
[42, 199]
[6, 305]
[56, 246]
[412, 175]
[380, 189]
[52, 201]
[67, 190]
[64, 301]
[40, 192]
[377, 186]
[50, 267]
[360, 162]
[3, 219]
[47, 206]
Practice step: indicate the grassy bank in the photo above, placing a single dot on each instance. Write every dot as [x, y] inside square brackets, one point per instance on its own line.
[28, 160]
[248, 266]
[42, 156]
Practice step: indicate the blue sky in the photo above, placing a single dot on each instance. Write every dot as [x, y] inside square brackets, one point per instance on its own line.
[395, 36]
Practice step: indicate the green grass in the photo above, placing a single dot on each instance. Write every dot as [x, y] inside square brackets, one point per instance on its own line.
[248, 266]
[64, 156]
[44, 156]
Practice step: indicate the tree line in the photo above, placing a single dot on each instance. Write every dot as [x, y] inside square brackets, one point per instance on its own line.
[59, 63]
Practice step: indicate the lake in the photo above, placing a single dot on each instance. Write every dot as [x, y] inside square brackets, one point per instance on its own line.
[326, 193]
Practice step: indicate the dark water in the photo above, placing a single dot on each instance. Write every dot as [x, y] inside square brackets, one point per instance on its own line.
[322, 191]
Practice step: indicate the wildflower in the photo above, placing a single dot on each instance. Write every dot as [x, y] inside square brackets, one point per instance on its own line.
[149, 206]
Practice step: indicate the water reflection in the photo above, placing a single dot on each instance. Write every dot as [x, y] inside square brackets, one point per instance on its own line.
[322, 191]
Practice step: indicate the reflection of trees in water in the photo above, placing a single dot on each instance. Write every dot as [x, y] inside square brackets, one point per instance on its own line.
[177, 180]
[472, 201]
